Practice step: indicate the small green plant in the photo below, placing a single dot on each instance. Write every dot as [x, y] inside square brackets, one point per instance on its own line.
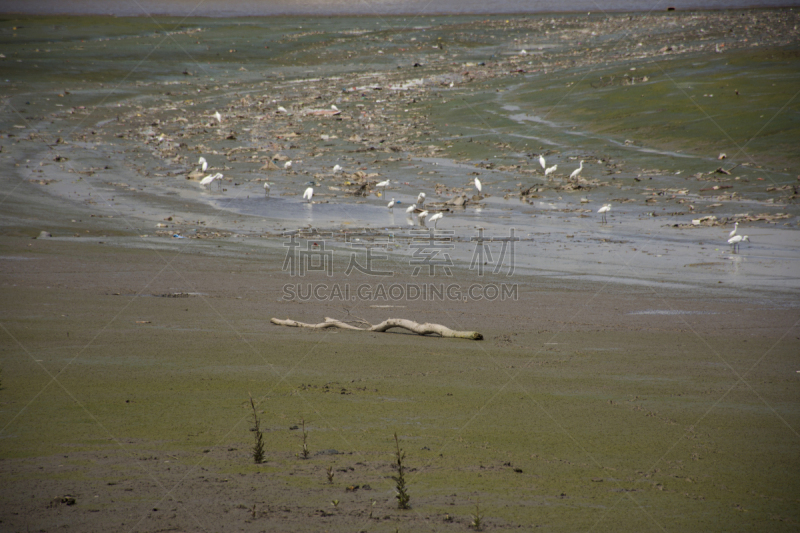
[305, 439]
[477, 517]
[403, 499]
[335, 504]
[330, 474]
[258, 447]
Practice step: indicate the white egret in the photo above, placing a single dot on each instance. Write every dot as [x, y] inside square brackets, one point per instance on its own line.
[266, 188]
[411, 208]
[550, 170]
[218, 116]
[391, 205]
[282, 109]
[736, 240]
[212, 177]
[383, 184]
[576, 172]
[735, 227]
[603, 210]
[287, 165]
[541, 162]
[435, 218]
[203, 163]
[337, 169]
[422, 216]
[333, 106]
[478, 185]
[308, 194]
[421, 199]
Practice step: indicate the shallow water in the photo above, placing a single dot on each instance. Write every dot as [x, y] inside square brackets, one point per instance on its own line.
[646, 124]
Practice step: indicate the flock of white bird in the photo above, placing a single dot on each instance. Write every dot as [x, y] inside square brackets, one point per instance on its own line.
[423, 213]
[211, 177]
[734, 239]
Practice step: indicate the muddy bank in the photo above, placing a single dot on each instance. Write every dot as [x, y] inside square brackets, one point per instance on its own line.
[635, 373]
[672, 126]
[585, 402]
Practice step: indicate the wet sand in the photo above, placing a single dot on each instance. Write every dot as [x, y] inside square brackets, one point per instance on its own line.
[642, 376]
[587, 405]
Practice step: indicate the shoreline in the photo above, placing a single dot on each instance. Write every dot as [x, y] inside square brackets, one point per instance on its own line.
[639, 375]
[679, 6]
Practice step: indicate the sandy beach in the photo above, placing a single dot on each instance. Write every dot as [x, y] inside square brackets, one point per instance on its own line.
[634, 374]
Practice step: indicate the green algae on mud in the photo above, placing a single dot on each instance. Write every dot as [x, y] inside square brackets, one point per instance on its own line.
[698, 106]
[693, 106]
[544, 426]
[587, 404]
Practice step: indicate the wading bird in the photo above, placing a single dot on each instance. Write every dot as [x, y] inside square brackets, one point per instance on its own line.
[576, 172]
[336, 169]
[603, 210]
[478, 185]
[736, 240]
[541, 162]
[308, 194]
[422, 216]
[218, 117]
[203, 163]
[550, 170]
[266, 188]
[287, 165]
[212, 177]
[383, 184]
[391, 205]
[735, 227]
[435, 218]
[421, 199]
[411, 208]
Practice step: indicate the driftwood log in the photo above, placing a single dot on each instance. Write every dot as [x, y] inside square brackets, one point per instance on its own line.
[410, 325]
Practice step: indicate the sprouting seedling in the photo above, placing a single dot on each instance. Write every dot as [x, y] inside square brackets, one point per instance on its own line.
[477, 517]
[335, 503]
[372, 506]
[403, 498]
[258, 447]
[305, 439]
[330, 474]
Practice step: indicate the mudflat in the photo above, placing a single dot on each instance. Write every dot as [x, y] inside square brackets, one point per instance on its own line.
[635, 373]
[126, 376]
